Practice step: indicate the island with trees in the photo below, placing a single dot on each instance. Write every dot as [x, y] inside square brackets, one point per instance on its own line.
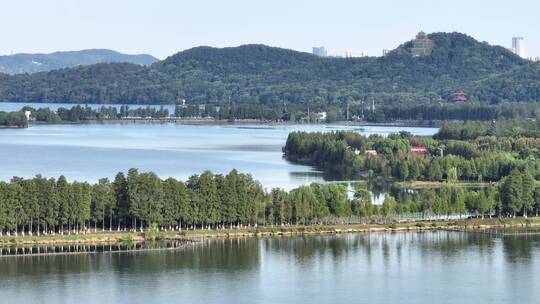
[499, 159]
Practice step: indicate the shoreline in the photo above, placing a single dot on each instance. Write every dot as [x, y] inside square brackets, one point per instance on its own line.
[104, 237]
[220, 122]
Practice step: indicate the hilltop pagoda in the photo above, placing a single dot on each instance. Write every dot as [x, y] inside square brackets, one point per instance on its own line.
[422, 45]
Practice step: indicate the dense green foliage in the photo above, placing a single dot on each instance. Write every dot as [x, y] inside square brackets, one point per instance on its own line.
[472, 151]
[141, 199]
[511, 197]
[472, 130]
[445, 111]
[13, 119]
[287, 81]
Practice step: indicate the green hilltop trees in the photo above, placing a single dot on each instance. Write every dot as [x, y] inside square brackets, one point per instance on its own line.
[263, 75]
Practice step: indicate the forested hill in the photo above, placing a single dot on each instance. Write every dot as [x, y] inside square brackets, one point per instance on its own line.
[32, 63]
[258, 74]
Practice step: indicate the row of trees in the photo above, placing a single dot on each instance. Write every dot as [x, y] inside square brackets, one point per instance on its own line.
[227, 112]
[293, 113]
[135, 201]
[341, 110]
[471, 130]
[445, 111]
[516, 194]
[207, 201]
[79, 113]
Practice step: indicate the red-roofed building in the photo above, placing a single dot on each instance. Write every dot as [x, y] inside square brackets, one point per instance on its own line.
[418, 149]
[371, 153]
[459, 97]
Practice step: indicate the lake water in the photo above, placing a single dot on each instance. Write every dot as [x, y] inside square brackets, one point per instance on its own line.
[89, 152]
[427, 267]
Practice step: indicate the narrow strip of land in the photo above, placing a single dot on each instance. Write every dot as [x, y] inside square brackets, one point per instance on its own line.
[105, 237]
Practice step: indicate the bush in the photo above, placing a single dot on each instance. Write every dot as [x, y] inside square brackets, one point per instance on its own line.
[126, 239]
[153, 233]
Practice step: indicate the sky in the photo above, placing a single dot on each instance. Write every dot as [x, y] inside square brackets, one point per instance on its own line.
[164, 27]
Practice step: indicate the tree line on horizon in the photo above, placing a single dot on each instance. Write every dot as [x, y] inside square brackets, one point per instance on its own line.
[470, 111]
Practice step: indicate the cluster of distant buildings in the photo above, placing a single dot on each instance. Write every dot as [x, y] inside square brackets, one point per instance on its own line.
[322, 52]
[423, 46]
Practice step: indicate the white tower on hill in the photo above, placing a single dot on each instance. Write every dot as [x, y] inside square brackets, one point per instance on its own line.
[517, 46]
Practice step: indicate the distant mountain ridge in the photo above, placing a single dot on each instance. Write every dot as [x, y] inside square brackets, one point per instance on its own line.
[276, 77]
[33, 63]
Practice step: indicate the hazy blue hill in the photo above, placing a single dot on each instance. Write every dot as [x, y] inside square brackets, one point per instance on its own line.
[259, 74]
[32, 63]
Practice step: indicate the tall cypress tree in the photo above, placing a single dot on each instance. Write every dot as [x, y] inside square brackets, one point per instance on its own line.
[511, 192]
[133, 197]
[120, 192]
[527, 196]
[65, 199]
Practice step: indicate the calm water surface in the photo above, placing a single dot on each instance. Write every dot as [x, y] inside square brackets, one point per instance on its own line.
[89, 152]
[429, 267]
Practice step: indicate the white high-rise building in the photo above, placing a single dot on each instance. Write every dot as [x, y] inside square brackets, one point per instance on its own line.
[320, 51]
[517, 46]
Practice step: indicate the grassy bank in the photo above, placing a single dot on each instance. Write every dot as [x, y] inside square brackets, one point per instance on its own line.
[117, 237]
[418, 184]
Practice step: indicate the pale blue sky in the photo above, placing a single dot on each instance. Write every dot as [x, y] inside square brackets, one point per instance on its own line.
[164, 27]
